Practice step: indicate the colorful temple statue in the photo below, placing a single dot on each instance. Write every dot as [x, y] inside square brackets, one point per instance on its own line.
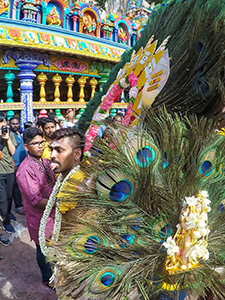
[89, 24]
[4, 6]
[53, 17]
[122, 36]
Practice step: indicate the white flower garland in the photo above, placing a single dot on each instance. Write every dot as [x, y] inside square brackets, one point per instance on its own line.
[58, 216]
[194, 220]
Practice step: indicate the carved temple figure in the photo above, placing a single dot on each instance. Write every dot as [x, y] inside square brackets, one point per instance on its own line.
[53, 17]
[122, 35]
[89, 24]
[4, 6]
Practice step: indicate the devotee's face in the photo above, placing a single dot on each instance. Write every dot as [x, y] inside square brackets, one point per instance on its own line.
[64, 156]
[14, 125]
[61, 123]
[49, 128]
[118, 120]
[71, 114]
[36, 146]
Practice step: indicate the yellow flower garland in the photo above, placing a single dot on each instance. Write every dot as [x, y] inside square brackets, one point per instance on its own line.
[63, 205]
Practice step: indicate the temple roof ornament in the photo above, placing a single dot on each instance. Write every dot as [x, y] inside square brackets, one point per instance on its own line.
[138, 11]
[75, 6]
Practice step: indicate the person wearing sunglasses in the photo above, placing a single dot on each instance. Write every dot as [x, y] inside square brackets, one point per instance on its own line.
[36, 180]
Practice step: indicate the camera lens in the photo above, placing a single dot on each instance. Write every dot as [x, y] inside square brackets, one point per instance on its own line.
[4, 129]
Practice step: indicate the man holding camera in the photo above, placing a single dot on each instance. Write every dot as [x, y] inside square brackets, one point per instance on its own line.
[7, 149]
[18, 157]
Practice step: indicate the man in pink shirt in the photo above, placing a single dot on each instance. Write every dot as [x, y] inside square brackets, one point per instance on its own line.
[36, 180]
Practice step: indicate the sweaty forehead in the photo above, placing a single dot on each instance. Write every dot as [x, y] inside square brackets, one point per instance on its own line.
[63, 142]
[37, 138]
[49, 124]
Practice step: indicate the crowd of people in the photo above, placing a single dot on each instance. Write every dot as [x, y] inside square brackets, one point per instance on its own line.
[29, 165]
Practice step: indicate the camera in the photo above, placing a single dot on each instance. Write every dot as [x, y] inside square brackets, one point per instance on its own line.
[4, 129]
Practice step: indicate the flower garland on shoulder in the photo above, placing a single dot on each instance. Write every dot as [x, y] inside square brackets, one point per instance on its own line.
[58, 216]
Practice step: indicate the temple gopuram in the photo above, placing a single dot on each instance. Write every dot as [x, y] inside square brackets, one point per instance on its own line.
[55, 55]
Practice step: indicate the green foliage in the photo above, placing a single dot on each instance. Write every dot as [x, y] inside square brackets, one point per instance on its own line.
[101, 4]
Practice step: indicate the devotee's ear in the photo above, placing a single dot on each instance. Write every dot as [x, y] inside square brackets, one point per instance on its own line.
[25, 146]
[77, 154]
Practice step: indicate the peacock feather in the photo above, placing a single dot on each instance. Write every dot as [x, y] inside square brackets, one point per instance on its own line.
[136, 204]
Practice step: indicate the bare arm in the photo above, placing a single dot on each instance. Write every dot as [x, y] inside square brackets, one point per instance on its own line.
[42, 203]
[11, 147]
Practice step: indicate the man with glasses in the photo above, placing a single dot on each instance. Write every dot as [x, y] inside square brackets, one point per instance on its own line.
[36, 180]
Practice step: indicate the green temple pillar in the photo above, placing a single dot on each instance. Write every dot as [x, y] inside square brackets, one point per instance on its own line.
[44, 12]
[9, 78]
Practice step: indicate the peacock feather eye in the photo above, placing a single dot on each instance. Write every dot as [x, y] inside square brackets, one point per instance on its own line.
[134, 227]
[220, 207]
[103, 281]
[130, 239]
[204, 86]
[120, 191]
[142, 152]
[115, 186]
[86, 244]
[90, 246]
[207, 164]
[206, 168]
[162, 230]
[166, 231]
[199, 46]
[107, 279]
[145, 156]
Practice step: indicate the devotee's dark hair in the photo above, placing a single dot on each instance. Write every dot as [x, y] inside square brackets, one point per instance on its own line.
[14, 118]
[48, 120]
[72, 134]
[40, 122]
[27, 124]
[30, 133]
[2, 116]
[52, 115]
